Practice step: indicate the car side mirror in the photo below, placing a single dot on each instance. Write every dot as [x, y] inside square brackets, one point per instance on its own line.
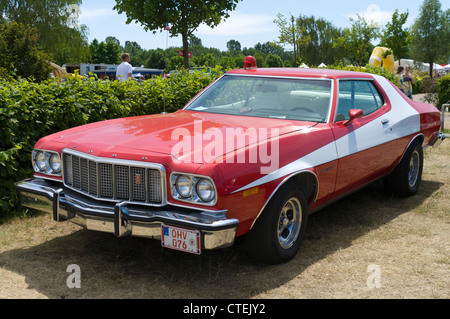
[353, 114]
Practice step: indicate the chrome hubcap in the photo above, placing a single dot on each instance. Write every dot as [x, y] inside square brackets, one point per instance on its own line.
[289, 222]
[413, 173]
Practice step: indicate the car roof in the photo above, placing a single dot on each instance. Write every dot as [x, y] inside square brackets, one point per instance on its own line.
[300, 72]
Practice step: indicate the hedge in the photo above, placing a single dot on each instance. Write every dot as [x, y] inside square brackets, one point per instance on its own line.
[29, 111]
[443, 90]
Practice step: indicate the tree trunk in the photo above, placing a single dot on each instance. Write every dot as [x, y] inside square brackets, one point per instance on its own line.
[185, 50]
[431, 69]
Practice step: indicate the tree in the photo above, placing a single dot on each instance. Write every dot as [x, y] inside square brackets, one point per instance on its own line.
[56, 22]
[19, 53]
[269, 47]
[115, 40]
[291, 33]
[395, 37]
[357, 40]
[273, 60]
[429, 31]
[104, 52]
[183, 16]
[193, 40]
[321, 34]
[233, 45]
[156, 60]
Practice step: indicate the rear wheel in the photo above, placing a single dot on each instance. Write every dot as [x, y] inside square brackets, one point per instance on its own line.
[277, 234]
[407, 176]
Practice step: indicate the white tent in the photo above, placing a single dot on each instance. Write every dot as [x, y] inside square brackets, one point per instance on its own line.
[322, 65]
[304, 66]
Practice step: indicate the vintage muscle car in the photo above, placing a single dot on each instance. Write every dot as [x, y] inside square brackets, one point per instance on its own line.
[253, 154]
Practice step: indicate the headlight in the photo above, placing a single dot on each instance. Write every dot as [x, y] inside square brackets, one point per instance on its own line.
[46, 162]
[55, 163]
[205, 190]
[183, 186]
[193, 189]
[41, 161]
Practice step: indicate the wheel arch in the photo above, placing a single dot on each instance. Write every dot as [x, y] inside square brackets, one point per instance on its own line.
[420, 137]
[308, 183]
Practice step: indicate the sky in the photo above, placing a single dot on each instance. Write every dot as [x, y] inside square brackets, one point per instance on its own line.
[251, 22]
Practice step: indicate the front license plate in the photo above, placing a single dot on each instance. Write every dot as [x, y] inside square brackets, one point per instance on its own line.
[186, 240]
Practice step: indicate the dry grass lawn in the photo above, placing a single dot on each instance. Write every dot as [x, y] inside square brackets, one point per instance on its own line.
[364, 246]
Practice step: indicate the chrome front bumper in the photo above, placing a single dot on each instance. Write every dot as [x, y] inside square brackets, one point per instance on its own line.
[123, 219]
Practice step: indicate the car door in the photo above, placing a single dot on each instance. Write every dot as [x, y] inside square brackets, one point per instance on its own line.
[365, 147]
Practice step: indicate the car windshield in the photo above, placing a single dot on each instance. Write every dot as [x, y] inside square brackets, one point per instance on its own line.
[281, 98]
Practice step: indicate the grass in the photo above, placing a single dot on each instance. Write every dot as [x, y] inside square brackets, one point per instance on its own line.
[407, 239]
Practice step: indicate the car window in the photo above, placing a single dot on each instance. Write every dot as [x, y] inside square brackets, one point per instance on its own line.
[281, 98]
[354, 94]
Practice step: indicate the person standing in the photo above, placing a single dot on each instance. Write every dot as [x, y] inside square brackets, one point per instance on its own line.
[398, 78]
[124, 70]
[408, 81]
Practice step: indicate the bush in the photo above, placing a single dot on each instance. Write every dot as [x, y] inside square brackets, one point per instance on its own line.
[19, 53]
[29, 111]
[367, 69]
[429, 87]
[443, 91]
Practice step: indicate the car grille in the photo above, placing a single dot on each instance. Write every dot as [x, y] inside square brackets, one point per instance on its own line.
[115, 180]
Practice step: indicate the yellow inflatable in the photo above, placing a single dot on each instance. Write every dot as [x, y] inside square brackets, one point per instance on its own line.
[381, 57]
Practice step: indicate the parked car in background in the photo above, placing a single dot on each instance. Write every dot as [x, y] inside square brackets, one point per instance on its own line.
[252, 155]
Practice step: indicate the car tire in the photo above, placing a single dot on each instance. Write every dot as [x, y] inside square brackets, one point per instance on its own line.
[278, 232]
[406, 178]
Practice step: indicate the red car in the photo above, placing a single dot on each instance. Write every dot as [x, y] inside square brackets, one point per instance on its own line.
[253, 154]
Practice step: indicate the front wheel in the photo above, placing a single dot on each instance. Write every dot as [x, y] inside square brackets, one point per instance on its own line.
[277, 234]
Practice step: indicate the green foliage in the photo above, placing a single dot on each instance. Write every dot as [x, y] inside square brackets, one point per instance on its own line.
[291, 33]
[443, 91]
[357, 40]
[273, 61]
[105, 52]
[430, 32]
[321, 34]
[395, 37]
[184, 16]
[19, 53]
[29, 111]
[59, 36]
[367, 69]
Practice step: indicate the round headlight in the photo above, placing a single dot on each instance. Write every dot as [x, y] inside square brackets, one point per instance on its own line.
[205, 190]
[41, 161]
[55, 163]
[184, 186]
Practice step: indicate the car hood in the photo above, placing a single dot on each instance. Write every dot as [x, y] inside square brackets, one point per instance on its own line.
[167, 133]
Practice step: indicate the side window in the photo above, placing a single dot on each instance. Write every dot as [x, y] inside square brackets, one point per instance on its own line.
[357, 94]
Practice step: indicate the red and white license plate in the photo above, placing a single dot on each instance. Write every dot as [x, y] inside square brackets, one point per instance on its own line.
[186, 240]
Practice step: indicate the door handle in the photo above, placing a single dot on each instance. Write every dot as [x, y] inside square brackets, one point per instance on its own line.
[385, 121]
